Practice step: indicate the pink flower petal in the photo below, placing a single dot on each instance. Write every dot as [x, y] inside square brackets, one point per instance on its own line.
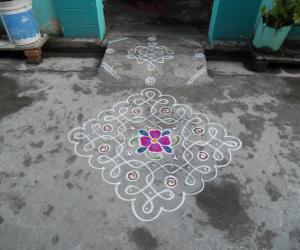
[164, 140]
[145, 141]
[155, 133]
[155, 148]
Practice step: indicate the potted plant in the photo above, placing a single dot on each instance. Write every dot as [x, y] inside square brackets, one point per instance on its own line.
[276, 23]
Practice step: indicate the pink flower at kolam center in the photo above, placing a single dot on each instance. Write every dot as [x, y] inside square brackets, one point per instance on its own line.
[155, 141]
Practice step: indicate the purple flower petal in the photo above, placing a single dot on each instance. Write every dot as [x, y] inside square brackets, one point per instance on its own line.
[145, 141]
[155, 133]
[164, 140]
[155, 148]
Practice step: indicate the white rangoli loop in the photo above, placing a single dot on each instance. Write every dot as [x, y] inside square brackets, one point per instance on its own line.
[110, 51]
[154, 150]
[170, 181]
[150, 80]
[151, 54]
[152, 39]
[132, 175]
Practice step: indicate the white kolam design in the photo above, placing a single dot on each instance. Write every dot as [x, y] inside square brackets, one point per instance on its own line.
[154, 151]
[151, 54]
[150, 80]
[110, 51]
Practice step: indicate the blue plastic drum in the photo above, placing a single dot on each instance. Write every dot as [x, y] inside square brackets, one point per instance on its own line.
[19, 22]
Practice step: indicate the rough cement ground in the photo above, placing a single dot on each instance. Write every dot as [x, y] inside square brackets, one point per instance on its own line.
[51, 199]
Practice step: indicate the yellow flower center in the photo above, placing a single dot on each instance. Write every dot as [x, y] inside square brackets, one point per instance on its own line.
[154, 141]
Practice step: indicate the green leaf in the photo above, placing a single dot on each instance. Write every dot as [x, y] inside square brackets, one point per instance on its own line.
[282, 13]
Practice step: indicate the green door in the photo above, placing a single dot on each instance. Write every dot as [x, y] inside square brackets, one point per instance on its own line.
[81, 18]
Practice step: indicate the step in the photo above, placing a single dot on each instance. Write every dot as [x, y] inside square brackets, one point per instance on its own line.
[153, 59]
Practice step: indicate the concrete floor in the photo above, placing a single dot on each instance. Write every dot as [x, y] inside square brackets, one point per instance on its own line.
[52, 199]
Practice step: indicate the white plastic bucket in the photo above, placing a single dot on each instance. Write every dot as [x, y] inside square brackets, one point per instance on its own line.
[19, 22]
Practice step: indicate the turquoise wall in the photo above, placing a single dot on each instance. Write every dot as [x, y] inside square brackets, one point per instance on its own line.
[46, 16]
[81, 18]
[234, 20]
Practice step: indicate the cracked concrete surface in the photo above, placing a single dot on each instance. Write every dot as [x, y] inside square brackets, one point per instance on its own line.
[52, 199]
